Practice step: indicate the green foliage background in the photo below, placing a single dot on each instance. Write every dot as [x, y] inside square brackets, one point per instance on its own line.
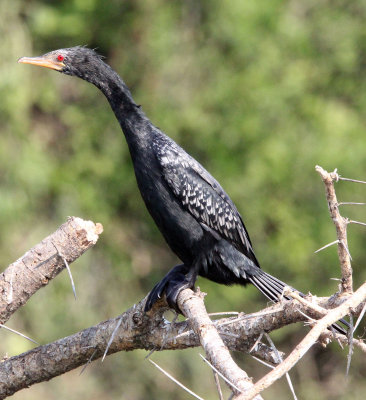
[259, 92]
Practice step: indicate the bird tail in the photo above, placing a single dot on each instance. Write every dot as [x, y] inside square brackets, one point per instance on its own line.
[273, 289]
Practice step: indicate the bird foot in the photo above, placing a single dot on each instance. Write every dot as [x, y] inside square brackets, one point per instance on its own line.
[171, 285]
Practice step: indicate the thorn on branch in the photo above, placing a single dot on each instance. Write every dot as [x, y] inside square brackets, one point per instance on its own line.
[219, 373]
[279, 358]
[68, 270]
[350, 342]
[344, 203]
[350, 180]
[263, 362]
[176, 381]
[18, 333]
[346, 248]
[218, 386]
[326, 246]
[359, 319]
[350, 221]
[89, 361]
[111, 338]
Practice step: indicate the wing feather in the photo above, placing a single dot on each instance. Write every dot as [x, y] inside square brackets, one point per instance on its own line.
[202, 195]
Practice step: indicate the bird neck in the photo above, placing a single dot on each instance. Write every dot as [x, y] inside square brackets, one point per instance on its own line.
[130, 116]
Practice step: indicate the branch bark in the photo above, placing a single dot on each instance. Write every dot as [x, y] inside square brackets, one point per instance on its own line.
[215, 349]
[43, 262]
[151, 331]
[341, 228]
[320, 326]
[138, 330]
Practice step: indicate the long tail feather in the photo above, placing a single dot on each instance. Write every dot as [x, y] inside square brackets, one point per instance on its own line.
[273, 288]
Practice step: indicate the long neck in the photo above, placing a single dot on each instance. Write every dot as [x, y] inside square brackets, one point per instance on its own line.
[134, 123]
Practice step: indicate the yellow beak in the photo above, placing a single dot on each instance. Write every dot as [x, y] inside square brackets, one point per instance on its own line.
[42, 62]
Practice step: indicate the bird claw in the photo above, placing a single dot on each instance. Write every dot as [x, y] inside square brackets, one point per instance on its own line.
[171, 285]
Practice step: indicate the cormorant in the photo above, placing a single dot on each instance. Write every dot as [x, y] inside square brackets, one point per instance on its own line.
[197, 218]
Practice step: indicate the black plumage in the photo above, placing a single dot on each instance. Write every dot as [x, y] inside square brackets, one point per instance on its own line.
[197, 218]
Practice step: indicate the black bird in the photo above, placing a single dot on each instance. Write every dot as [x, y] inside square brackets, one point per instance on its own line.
[197, 218]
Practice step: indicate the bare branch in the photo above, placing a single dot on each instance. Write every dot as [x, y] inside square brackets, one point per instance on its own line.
[332, 316]
[341, 228]
[42, 263]
[139, 330]
[193, 308]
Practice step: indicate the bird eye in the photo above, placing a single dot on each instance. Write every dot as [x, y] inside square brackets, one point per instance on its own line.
[60, 57]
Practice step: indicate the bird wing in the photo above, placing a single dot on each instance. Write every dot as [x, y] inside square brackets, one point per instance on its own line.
[201, 195]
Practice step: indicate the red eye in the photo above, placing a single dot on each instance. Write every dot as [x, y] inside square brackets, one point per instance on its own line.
[60, 57]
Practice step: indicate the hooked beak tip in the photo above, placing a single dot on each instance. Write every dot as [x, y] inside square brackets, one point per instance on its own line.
[42, 62]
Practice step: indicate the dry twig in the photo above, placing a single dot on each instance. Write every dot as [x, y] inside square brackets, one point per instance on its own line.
[341, 228]
[193, 308]
[320, 326]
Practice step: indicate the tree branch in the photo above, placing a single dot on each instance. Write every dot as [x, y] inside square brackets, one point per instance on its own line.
[341, 228]
[320, 326]
[43, 262]
[135, 329]
[218, 354]
[139, 330]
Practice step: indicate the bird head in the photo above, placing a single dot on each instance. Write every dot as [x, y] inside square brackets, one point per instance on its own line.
[76, 61]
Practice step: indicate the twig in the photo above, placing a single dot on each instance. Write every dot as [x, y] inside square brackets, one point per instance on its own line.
[343, 340]
[341, 227]
[175, 381]
[193, 308]
[214, 314]
[313, 306]
[319, 327]
[141, 331]
[309, 320]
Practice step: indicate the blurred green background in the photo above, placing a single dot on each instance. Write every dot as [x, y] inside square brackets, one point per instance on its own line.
[259, 92]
